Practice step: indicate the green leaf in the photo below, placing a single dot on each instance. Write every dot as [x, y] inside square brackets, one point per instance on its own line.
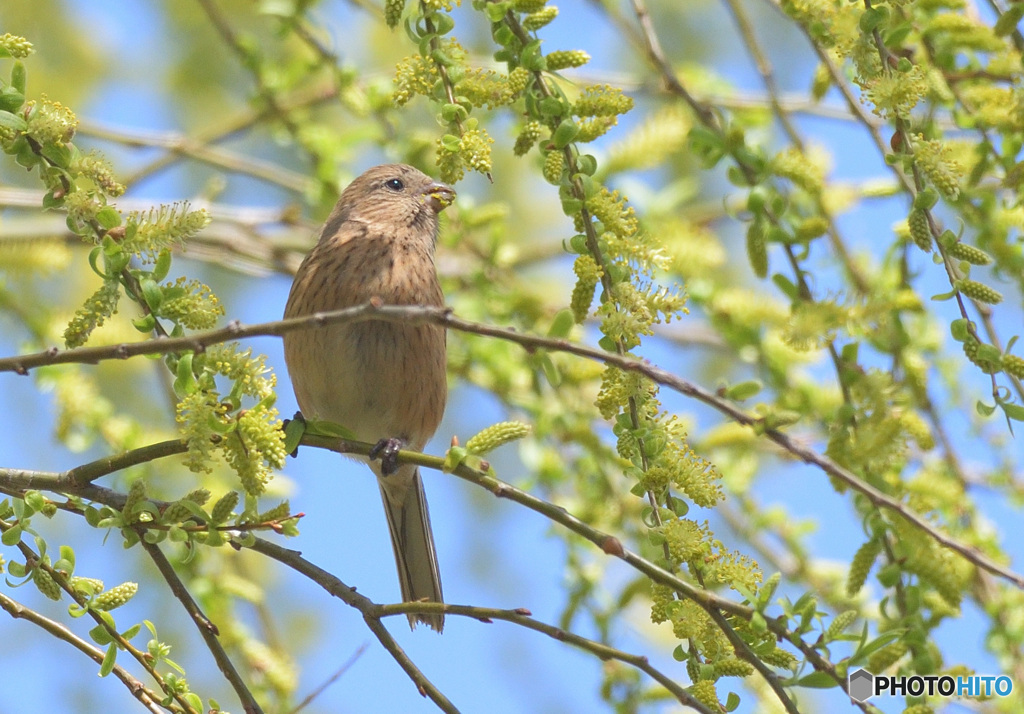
[12, 121]
[862, 653]
[959, 329]
[318, 427]
[817, 680]
[184, 381]
[453, 112]
[59, 154]
[35, 500]
[67, 553]
[18, 78]
[100, 635]
[151, 293]
[1013, 411]
[163, 265]
[496, 12]
[732, 702]
[744, 390]
[443, 23]
[562, 325]
[144, 324]
[108, 217]
[109, 660]
[787, 286]
[531, 57]
[871, 19]
[551, 372]
[11, 99]
[926, 199]
[678, 506]
[131, 631]
[565, 133]
[12, 536]
[293, 432]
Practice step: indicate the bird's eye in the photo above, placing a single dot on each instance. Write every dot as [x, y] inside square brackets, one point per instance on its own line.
[395, 184]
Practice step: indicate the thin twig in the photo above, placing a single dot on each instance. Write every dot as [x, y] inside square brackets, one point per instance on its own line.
[523, 618]
[606, 542]
[146, 697]
[348, 595]
[144, 659]
[414, 314]
[212, 155]
[207, 630]
[330, 680]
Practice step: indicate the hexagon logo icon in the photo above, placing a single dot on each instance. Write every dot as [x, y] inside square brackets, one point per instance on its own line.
[861, 684]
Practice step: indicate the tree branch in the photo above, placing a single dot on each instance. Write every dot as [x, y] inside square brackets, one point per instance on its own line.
[207, 629]
[413, 314]
[146, 697]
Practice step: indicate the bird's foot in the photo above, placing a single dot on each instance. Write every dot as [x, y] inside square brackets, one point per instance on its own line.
[387, 450]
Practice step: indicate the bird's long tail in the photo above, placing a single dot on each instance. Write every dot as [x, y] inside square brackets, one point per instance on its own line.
[413, 543]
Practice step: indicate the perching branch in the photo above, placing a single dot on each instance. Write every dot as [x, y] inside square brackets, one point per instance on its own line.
[609, 544]
[443, 316]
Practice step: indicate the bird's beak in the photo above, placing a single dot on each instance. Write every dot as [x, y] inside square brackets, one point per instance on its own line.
[439, 196]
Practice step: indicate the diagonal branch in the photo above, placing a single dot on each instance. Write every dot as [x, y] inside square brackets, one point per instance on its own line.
[207, 630]
[15, 609]
[414, 314]
[608, 543]
[522, 618]
[347, 594]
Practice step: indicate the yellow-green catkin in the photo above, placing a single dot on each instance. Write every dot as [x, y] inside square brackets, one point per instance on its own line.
[588, 274]
[969, 253]
[86, 586]
[733, 667]
[757, 250]
[18, 47]
[281, 510]
[393, 12]
[979, 291]
[704, 692]
[536, 20]
[779, 658]
[971, 348]
[224, 506]
[116, 596]
[840, 623]
[863, 561]
[178, 511]
[136, 494]
[528, 5]
[887, 657]
[527, 138]
[45, 583]
[919, 230]
[497, 435]
[518, 79]
[565, 59]
[1012, 364]
[554, 162]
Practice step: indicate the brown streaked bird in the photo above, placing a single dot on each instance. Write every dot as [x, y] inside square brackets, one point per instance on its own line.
[383, 380]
